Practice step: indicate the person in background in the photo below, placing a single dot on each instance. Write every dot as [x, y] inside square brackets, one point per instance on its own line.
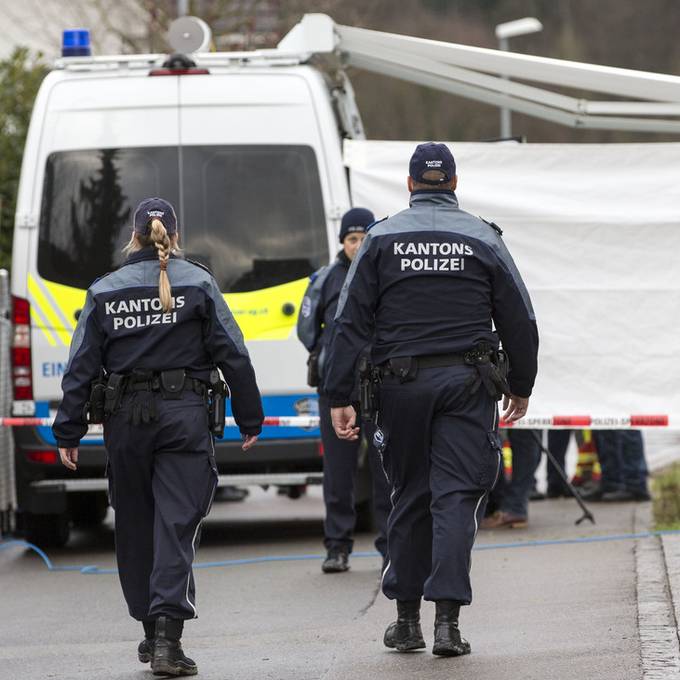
[510, 498]
[624, 469]
[340, 457]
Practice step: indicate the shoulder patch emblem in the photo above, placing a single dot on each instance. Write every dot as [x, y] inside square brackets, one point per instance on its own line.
[306, 308]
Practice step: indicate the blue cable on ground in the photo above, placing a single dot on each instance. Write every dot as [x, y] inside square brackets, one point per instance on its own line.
[93, 569]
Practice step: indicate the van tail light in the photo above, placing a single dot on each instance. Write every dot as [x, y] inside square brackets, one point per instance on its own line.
[22, 375]
[48, 457]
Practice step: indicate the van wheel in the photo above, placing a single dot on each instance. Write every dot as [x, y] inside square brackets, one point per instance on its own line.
[365, 521]
[88, 509]
[49, 531]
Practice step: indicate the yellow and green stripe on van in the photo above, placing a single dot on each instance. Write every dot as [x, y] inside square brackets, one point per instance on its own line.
[259, 313]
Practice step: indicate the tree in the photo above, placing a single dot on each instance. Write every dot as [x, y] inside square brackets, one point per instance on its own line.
[20, 77]
[98, 214]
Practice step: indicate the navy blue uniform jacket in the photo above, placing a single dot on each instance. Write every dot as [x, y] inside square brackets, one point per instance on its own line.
[323, 294]
[123, 327]
[431, 280]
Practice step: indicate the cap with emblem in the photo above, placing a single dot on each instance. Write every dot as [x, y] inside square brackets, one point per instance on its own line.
[432, 163]
[158, 208]
[355, 220]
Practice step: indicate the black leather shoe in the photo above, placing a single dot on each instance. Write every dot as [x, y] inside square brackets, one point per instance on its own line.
[168, 657]
[145, 650]
[405, 633]
[336, 561]
[447, 639]
[593, 496]
[557, 492]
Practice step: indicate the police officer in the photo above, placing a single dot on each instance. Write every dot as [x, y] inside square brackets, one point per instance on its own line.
[157, 326]
[340, 456]
[426, 285]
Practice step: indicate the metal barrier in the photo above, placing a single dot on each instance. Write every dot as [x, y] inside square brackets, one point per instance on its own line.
[7, 478]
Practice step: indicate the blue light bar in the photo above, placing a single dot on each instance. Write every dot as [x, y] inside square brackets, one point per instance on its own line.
[76, 43]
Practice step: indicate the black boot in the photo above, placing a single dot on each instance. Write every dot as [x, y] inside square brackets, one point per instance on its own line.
[168, 657]
[145, 648]
[405, 634]
[337, 560]
[447, 639]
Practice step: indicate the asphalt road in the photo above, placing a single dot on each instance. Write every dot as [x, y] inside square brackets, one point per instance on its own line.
[563, 611]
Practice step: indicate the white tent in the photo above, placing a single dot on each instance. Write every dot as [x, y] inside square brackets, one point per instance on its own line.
[595, 231]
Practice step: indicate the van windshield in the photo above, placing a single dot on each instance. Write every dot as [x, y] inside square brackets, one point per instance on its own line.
[253, 214]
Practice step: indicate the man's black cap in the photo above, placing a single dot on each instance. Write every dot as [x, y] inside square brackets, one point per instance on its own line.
[432, 156]
[355, 220]
[158, 208]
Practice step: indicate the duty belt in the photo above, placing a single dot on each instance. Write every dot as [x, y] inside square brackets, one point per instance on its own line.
[153, 384]
[406, 368]
[170, 384]
[490, 364]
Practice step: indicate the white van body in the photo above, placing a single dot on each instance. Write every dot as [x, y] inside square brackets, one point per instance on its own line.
[251, 157]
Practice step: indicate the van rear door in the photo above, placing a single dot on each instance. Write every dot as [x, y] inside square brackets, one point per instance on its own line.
[107, 142]
[255, 198]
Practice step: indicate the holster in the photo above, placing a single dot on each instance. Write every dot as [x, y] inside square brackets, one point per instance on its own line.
[115, 385]
[492, 371]
[369, 389]
[217, 403]
[313, 378]
[94, 408]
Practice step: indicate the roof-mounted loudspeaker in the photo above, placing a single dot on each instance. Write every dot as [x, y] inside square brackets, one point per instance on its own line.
[189, 34]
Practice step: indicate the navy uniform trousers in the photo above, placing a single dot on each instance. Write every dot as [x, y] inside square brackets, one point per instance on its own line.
[162, 479]
[442, 458]
[339, 473]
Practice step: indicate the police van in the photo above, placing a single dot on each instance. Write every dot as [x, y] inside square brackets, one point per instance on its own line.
[247, 147]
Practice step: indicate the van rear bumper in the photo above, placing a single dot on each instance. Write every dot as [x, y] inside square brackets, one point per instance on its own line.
[42, 487]
[49, 486]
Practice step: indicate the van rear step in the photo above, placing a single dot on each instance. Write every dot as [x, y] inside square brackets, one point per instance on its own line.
[264, 479]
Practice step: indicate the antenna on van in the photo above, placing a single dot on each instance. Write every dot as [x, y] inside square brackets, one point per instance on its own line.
[189, 34]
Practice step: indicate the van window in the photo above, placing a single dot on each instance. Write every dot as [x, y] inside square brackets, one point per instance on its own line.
[87, 204]
[253, 214]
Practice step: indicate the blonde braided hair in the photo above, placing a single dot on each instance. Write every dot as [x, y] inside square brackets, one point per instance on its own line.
[164, 244]
[160, 239]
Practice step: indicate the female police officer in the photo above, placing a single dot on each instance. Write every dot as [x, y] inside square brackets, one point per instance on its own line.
[158, 346]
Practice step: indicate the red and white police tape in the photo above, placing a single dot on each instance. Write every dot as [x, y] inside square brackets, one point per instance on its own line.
[635, 421]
